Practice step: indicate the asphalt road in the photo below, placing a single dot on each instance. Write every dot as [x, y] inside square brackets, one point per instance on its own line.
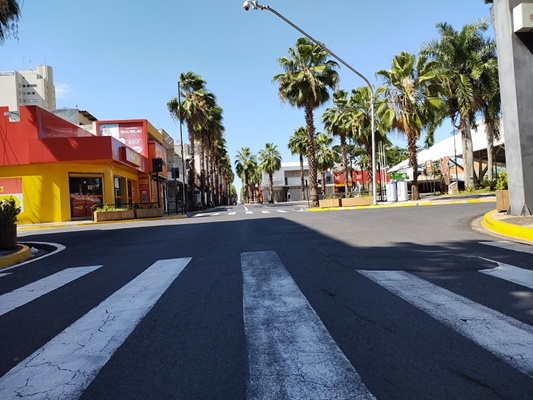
[269, 302]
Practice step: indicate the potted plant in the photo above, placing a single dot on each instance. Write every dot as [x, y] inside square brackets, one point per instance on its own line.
[502, 194]
[111, 213]
[329, 200]
[8, 223]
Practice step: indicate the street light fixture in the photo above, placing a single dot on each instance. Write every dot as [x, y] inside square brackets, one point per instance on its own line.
[253, 4]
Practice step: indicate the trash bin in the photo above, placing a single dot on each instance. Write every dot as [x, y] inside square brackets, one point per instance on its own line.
[392, 193]
[401, 188]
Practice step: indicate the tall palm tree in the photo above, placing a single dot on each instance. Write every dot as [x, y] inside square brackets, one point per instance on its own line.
[336, 121]
[360, 122]
[309, 76]
[298, 145]
[9, 16]
[325, 156]
[414, 97]
[462, 58]
[245, 167]
[270, 162]
[193, 110]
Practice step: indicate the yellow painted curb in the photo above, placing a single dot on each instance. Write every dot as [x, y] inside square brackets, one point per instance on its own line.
[12, 259]
[506, 229]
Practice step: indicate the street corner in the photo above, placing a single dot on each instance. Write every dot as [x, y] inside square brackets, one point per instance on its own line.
[504, 225]
[17, 256]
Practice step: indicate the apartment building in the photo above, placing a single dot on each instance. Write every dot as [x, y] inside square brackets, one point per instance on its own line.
[33, 87]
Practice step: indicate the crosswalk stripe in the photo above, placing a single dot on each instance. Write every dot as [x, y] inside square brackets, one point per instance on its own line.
[282, 211]
[24, 295]
[290, 351]
[65, 366]
[4, 274]
[265, 212]
[249, 212]
[511, 273]
[215, 214]
[488, 328]
[232, 213]
[522, 248]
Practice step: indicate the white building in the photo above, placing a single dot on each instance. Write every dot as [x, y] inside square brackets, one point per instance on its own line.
[287, 184]
[28, 88]
[451, 149]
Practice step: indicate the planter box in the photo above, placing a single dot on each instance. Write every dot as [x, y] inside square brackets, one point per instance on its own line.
[326, 203]
[502, 200]
[357, 201]
[148, 212]
[8, 237]
[100, 216]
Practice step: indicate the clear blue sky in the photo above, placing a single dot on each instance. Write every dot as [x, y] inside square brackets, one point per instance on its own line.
[120, 59]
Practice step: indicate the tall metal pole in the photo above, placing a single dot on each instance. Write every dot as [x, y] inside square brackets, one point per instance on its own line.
[455, 155]
[183, 172]
[268, 8]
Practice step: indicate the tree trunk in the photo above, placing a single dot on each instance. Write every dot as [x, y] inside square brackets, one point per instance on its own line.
[468, 153]
[302, 176]
[344, 161]
[489, 132]
[270, 186]
[311, 156]
[413, 163]
[192, 171]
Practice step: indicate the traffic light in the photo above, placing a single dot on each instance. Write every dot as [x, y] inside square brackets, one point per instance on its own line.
[157, 164]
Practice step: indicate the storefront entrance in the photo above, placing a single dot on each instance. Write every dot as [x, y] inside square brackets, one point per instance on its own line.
[85, 195]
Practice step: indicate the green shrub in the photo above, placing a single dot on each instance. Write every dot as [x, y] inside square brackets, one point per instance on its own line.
[9, 211]
[502, 182]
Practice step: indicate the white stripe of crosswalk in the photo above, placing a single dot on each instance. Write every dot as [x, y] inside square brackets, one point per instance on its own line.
[265, 212]
[488, 328]
[503, 244]
[4, 274]
[289, 349]
[232, 213]
[24, 295]
[65, 366]
[510, 273]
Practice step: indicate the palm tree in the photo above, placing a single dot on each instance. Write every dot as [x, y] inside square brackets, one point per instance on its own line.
[308, 77]
[462, 59]
[413, 96]
[9, 16]
[337, 122]
[245, 167]
[360, 123]
[298, 145]
[270, 162]
[325, 157]
[193, 110]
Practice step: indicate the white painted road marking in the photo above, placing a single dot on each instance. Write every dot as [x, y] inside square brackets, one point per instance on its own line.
[282, 211]
[265, 212]
[249, 212]
[505, 337]
[523, 248]
[6, 274]
[65, 366]
[24, 295]
[291, 355]
[510, 273]
[232, 213]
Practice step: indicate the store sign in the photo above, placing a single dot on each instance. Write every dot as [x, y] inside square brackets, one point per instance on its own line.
[131, 134]
[130, 156]
[399, 175]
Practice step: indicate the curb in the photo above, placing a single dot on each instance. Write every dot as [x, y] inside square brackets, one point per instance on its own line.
[15, 258]
[421, 203]
[506, 229]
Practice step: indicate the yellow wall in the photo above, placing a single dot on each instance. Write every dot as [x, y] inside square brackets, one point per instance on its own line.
[45, 188]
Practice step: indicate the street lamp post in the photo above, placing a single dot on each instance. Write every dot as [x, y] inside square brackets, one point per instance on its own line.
[253, 4]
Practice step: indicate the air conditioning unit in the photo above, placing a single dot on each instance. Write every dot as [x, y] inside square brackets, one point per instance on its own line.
[523, 17]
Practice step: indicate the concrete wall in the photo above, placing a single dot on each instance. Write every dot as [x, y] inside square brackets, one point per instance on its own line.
[515, 61]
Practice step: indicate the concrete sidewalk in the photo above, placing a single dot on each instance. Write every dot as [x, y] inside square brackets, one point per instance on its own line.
[501, 224]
